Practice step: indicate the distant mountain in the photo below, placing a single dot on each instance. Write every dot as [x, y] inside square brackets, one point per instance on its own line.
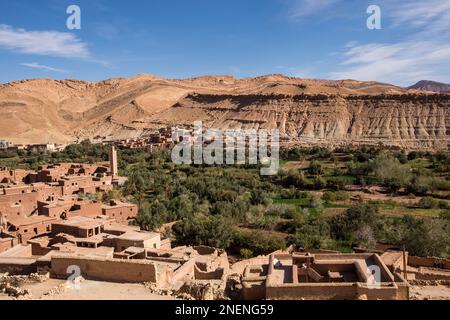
[306, 111]
[431, 86]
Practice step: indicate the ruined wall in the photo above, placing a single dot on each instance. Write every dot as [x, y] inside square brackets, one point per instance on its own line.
[332, 291]
[254, 290]
[320, 291]
[430, 262]
[186, 271]
[384, 292]
[17, 266]
[208, 275]
[116, 270]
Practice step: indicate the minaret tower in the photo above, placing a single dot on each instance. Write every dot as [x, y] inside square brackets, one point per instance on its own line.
[113, 161]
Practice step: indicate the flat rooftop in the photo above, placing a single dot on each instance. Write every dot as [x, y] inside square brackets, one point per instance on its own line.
[25, 221]
[138, 236]
[81, 222]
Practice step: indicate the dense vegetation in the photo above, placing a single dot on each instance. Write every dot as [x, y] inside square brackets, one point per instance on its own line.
[308, 204]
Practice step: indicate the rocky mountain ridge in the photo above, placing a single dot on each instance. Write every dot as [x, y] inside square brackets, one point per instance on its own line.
[305, 111]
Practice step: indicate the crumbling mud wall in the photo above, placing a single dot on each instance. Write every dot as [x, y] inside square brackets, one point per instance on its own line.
[430, 262]
[115, 270]
[316, 291]
[208, 275]
[17, 266]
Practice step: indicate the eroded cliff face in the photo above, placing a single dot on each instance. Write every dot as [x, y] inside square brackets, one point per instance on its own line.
[405, 120]
[305, 111]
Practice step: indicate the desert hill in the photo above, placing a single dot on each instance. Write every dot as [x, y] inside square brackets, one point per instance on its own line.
[431, 86]
[305, 111]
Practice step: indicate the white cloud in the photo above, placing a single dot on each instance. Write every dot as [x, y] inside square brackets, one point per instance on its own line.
[36, 65]
[402, 63]
[430, 15]
[304, 8]
[49, 43]
[423, 53]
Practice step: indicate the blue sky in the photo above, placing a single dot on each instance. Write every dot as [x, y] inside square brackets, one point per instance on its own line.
[325, 39]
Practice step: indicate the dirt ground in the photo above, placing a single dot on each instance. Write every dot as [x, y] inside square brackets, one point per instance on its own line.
[54, 289]
[430, 292]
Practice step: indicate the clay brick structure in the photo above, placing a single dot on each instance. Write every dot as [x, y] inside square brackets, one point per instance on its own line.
[116, 270]
[69, 206]
[120, 211]
[322, 276]
[31, 200]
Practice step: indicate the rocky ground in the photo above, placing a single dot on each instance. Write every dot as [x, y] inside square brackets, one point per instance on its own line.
[41, 287]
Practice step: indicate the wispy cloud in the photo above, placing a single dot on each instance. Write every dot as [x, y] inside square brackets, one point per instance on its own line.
[36, 65]
[430, 15]
[48, 43]
[304, 8]
[423, 53]
[401, 63]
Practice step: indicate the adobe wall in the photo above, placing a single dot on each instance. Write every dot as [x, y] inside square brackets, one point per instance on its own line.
[208, 275]
[17, 205]
[17, 266]
[115, 270]
[253, 290]
[384, 292]
[121, 244]
[27, 232]
[183, 272]
[316, 291]
[204, 250]
[120, 213]
[166, 244]
[38, 250]
[90, 210]
[430, 262]
[403, 291]
[7, 243]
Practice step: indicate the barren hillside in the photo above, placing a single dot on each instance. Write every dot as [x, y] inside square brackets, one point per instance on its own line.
[305, 111]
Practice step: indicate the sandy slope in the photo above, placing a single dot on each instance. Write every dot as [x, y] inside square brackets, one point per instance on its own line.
[42, 110]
